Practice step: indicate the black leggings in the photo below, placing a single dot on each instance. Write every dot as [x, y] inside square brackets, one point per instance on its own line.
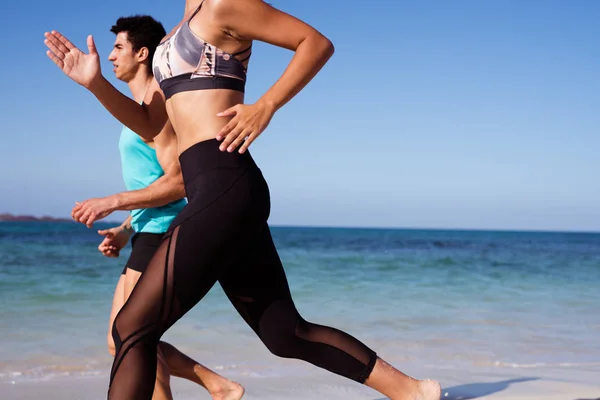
[222, 235]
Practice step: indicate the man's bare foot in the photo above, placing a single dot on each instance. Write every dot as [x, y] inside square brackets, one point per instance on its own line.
[229, 390]
[222, 388]
[429, 390]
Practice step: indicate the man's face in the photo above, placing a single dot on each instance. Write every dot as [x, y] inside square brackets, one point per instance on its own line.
[125, 60]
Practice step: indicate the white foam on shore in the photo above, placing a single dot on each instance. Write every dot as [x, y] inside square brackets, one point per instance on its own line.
[542, 365]
[318, 386]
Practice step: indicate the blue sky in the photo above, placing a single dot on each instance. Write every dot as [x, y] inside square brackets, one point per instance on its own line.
[462, 114]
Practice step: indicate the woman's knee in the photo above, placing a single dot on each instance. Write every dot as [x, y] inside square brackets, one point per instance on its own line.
[279, 332]
[129, 326]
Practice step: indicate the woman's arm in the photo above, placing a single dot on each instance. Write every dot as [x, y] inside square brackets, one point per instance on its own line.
[256, 20]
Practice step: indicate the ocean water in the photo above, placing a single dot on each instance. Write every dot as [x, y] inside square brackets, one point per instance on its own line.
[424, 299]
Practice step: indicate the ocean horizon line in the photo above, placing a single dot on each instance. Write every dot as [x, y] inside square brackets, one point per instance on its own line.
[57, 219]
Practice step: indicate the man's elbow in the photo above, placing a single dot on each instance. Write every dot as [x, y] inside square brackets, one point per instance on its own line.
[153, 124]
[149, 131]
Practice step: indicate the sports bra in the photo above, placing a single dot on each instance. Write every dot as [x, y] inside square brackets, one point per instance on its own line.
[186, 62]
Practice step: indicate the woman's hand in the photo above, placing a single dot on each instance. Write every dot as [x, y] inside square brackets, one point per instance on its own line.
[247, 122]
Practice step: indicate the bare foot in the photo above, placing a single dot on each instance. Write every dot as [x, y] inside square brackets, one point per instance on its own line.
[228, 390]
[220, 387]
[429, 390]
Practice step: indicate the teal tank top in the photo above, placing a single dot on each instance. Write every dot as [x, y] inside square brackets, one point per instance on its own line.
[140, 168]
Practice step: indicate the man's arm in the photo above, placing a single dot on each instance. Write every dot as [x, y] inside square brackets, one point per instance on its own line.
[162, 191]
[126, 225]
[147, 120]
[115, 238]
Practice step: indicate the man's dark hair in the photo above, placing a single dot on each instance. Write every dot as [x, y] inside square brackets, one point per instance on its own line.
[142, 31]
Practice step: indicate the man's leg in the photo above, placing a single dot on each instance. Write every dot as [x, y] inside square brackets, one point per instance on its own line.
[182, 366]
[117, 303]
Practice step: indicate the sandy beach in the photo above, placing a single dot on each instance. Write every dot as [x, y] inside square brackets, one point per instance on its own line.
[504, 384]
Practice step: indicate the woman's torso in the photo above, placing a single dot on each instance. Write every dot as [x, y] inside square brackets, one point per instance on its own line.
[193, 113]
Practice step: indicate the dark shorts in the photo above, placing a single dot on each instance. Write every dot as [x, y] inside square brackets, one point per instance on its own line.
[143, 247]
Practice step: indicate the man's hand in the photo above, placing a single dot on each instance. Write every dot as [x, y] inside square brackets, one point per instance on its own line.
[82, 68]
[114, 240]
[92, 210]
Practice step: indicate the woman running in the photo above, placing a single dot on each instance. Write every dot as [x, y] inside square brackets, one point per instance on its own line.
[222, 234]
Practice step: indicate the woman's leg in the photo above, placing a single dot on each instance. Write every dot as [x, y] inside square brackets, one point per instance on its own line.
[162, 387]
[259, 290]
[125, 285]
[158, 300]
[186, 265]
[171, 361]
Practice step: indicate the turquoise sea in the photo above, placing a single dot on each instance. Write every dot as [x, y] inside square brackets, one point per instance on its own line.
[428, 300]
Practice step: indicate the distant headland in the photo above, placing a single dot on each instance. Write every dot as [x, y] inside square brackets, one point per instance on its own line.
[31, 218]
